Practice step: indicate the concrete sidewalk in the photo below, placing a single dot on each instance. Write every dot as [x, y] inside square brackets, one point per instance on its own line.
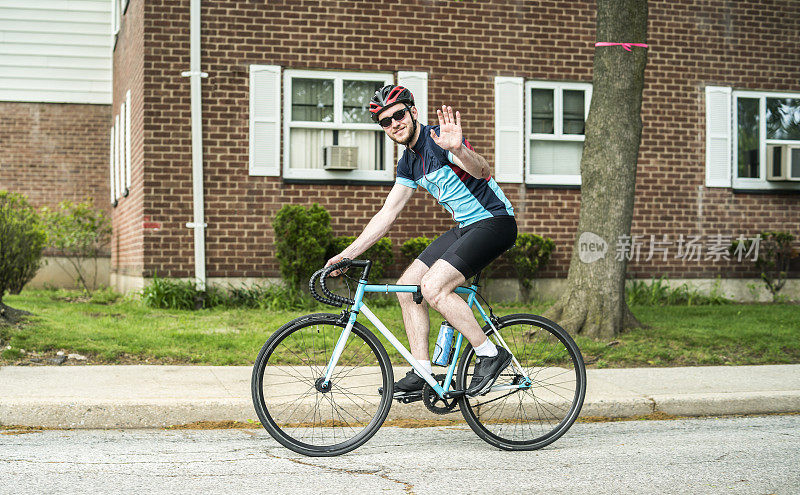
[157, 396]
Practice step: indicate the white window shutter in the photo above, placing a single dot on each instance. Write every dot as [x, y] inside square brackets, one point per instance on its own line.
[718, 136]
[111, 160]
[509, 132]
[120, 121]
[265, 120]
[417, 83]
[128, 140]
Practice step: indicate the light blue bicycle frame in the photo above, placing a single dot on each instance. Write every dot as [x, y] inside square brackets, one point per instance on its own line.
[359, 306]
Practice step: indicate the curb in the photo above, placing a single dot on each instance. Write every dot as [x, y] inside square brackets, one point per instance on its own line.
[161, 413]
[729, 404]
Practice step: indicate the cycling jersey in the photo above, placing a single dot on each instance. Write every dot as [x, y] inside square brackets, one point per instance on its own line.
[467, 198]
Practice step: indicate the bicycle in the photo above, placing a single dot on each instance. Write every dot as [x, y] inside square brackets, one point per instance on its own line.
[322, 384]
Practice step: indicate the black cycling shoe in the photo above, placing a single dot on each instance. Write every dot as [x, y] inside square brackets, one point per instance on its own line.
[409, 384]
[487, 369]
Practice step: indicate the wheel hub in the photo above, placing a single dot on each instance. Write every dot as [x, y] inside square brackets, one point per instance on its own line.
[321, 386]
[522, 381]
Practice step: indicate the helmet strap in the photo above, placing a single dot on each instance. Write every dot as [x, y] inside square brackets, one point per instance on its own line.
[414, 125]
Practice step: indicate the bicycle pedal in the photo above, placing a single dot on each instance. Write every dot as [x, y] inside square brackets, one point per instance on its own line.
[407, 398]
[404, 397]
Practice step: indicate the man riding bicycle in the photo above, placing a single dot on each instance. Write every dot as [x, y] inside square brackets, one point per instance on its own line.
[442, 161]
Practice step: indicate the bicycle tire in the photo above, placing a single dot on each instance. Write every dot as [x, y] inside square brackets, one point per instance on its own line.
[290, 404]
[532, 418]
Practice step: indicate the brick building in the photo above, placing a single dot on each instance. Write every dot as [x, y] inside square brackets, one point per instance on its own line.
[287, 82]
[55, 105]
[55, 97]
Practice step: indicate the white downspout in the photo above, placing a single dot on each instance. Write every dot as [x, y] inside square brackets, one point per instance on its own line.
[198, 223]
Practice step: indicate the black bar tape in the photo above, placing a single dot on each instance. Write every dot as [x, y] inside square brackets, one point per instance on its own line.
[312, 288]
[335, 297]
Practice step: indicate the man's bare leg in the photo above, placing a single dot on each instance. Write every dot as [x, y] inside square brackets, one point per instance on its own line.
[415, 316]
[438, 285]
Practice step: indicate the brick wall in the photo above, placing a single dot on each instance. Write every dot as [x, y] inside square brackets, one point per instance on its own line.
[462, 46]
[746, 45]
[53, 152]
[129, 219]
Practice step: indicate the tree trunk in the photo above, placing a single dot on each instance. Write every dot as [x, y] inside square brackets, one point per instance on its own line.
[594, 302]
[11, 316]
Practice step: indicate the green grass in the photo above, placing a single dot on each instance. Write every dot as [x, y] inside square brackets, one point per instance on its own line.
[733, 334]
[125, 331]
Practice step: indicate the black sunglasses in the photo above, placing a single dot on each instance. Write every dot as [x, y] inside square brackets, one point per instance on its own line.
[398, 116]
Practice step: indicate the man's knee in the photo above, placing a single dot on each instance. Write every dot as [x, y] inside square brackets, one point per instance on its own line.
[440, 281]
[432, 290]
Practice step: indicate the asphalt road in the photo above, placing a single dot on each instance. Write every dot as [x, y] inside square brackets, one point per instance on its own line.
[755, 455]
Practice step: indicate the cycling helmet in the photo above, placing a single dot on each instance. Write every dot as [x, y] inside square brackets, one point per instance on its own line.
[388, 96]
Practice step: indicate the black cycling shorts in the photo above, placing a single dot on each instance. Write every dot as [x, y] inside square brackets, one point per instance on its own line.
[469, 249]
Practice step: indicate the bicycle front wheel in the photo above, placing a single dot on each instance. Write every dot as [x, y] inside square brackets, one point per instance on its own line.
[294, 405]
[537, 397]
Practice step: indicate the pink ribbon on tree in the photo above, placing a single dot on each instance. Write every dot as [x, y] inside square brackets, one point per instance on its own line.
[626, 46]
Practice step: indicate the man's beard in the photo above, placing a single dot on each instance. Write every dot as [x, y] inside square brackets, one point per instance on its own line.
[408, 140]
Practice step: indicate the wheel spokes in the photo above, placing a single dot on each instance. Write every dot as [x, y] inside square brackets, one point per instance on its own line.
[533, 413]
[303, 412]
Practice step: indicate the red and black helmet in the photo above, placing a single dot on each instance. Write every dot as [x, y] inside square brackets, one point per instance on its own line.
[388, 96]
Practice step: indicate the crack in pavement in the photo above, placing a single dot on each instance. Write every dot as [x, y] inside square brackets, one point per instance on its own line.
[408, 487]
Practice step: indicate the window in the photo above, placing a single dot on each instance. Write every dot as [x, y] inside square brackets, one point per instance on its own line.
[325, 110]
[765, 127]
[555, 119]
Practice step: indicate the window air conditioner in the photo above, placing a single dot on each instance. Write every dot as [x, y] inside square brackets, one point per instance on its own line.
[783, 162]
[341, 158]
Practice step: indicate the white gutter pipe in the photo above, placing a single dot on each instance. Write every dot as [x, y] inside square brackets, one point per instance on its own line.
[198, 223]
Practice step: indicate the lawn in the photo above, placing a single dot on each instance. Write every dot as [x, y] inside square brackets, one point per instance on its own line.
[127, 332]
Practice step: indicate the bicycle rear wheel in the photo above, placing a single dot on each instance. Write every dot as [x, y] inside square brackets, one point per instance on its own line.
[527, 418]
[293, 405]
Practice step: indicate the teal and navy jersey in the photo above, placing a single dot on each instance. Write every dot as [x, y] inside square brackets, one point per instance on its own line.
[468, 199]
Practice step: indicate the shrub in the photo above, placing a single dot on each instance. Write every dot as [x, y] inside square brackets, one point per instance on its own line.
[530, 253]
[246, 296]
[167, 293]
[380, 253]
[78, 232]
[659, 293]
[774, 254]
[22, 240]
[301, 240]
[278, 298]
[414, 247]
[178, 294]
[271, 297]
